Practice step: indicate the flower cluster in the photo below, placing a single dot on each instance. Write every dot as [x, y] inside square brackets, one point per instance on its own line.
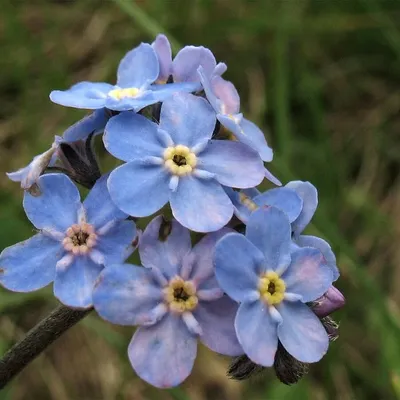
[191, 159]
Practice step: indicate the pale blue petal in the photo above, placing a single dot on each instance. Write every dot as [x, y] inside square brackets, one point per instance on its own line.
[234, 164]
[99, 207]
[285, 199]
[74, 284]
[301, 332]
[92, 123]
[324, 248]
[163, 354]
[269, 229]
[162, 48]
[166, 254]
[139, 189]
[116, 244]
[211, 97]
[308, 275]
[57, 206]
[238, 265]
[131, 103]
[187, 62]
[227, 93]
[216, 319]
[126, 295]
[201, 205]
[187, 118]
[129, 136]
[257, 332]
[30, 265]
[272, 178]
[309, 194]
[163, 92]
[139, 67]
[240, 209]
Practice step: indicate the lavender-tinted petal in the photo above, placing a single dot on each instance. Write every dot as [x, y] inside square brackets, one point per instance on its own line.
[139, 189]
[241, 210]
[129, 136]
[272, 178]
[163, 354]
[201, 205]
[164, 254]
[257, 332]
[307, 275]
[301, 332]
[131, 103]
[329, 302]
[138, 68]
[216, 319]
[227, 93]
[187, 62]
[211, 97]
[57, 205]
[162, 48]
[324, 248]
[309, 194]
[92, 123]
[285, 199]
[268, 228]
[188, 119]
[126, 295]
[234, 164]
[73, 285]
[164, 91]
[30, 265]
[238, 264]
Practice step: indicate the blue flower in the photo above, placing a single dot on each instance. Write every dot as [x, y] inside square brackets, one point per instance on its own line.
[177, 162]
[272, 284]
[74, 242]
[78, 132]
[175, 299]
[133, 91]
[225, 100]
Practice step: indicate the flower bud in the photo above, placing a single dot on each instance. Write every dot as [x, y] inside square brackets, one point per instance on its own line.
[331, 301]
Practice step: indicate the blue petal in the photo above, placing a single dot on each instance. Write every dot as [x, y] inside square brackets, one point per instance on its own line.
[238, 265]
[285, 199]
[89, 95]
[166, 254]
[163, 92]
[269, 229]
[234, 164]
[163, 354]
[116, 243]
[74, 284]
[139, 189]
[241, 210]
[187, 62]
[94, 122]
[309, 194]
[216, 319]
[227, 93]
[126, 295]
[129, 136]
[99, 207]
[307, 275]
[131, 103]
[187, 118]
[56, 208]
[272, 178]
[324, 248]
[301, 332]
[211, 97]
[30, 265]
[162, 48]
[201, 205]
[139, 67]
[256, 331]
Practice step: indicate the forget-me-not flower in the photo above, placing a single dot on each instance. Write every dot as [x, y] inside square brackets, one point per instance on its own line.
[74, 243]
[175, 299]
[272, 284]
[177, 161]
[137, 71]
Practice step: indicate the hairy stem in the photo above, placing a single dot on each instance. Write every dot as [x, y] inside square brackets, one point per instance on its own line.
[37, 340]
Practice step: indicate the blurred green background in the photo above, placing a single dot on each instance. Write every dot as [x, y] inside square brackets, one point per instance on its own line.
[321, 77]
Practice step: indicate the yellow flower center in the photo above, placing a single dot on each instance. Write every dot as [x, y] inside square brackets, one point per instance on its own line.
[247, 201]
[271, 288]
[119, 94]
[180, 295]
[179, 160]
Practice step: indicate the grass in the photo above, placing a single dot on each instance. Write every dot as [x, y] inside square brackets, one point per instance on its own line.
[321, 77]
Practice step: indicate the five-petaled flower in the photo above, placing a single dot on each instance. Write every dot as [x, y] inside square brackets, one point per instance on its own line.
[272, 284]
[74, 243]
[177, 161]
[175, 299]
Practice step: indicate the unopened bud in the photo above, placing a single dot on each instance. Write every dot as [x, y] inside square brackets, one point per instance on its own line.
[331, 301]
